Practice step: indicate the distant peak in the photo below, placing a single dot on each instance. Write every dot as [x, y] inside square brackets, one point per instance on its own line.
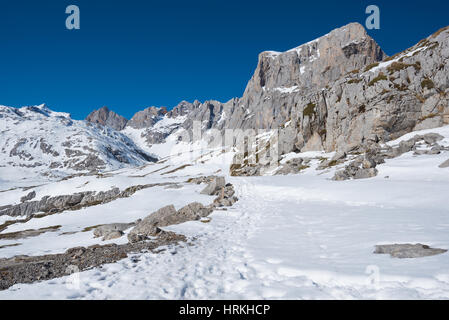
[352, 31]
[106, 117]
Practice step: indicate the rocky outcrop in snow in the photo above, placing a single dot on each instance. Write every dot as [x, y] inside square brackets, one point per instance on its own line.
[108, 118]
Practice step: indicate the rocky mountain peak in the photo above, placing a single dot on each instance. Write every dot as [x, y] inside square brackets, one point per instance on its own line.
[147, 118]
[316, 63]
[183, 108]
[106, 117]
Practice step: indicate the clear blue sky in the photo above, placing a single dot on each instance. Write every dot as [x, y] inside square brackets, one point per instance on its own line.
[136, 53]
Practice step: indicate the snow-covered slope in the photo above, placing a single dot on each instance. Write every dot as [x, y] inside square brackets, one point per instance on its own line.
[145, 138]
[37, 141]
[288, 237]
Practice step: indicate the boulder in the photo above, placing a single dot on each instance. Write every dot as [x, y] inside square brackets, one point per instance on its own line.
[28, 197]
[149, 226]
[105, 230]
[403, 251]
[167, 216]
[193, 211]
[431, 138]
[445, 164]
[214, 186]
[113, 235]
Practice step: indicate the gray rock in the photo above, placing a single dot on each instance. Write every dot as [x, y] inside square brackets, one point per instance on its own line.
[113, 235]
[445, 164]
[293, 166]
[105, 117]
[193, 211]
[147, 118]
[339, 156]
[167, 216]
[431, 138]
[104, 230]
[29, 196]
[358, 169]
[366, 173]
[50, 205]
[214, 186]
[403, 251]
[149, 226]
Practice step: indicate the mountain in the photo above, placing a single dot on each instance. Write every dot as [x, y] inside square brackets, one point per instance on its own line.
[147, 118]
[336, 108]
[335, 91]
[38, 140]
[108, 118]
[339, 92]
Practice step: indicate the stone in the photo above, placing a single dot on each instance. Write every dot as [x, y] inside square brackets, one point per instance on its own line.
[445, 164]
[339, 156]
[166, 216]
[431, 138]
[146, 118]
[28, 197]
[403, 251]
[366, 173]
[104, 230]
[113, 235]
[214, 186]
[193, 211]
[149, 226]
[50, 205]
[105, 117]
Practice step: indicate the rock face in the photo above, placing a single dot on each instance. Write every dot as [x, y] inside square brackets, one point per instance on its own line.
[60, 203]
[28, 197]
[282, 84]
[215, 185]
[403, 251]
[337, 92]
[108, 118]
[147, 118]
[50, 205]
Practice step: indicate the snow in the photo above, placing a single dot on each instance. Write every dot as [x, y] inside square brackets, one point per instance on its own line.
[287, 89]
[385, 64]
[27, 132]
[288, 237]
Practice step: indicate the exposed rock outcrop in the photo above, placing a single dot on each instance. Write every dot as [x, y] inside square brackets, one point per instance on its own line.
[445, 164]
[105, 117]
[215, 185]
[403, 251]
[166, 216]
[112, 231]
[50, 205]
[147, 118]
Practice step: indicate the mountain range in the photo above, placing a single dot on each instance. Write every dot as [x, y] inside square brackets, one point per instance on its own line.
[336, 93]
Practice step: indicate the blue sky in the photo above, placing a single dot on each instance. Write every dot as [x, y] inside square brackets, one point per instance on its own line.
[132, 54]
